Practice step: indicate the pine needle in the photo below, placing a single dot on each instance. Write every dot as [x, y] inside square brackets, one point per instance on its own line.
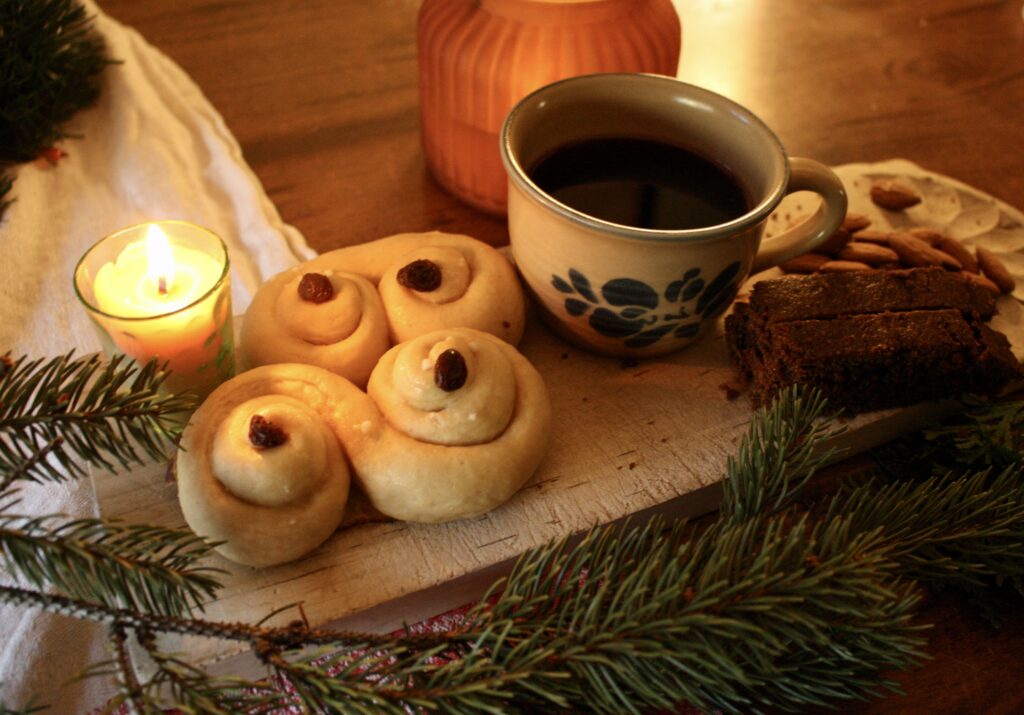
[986, 434]
[953, 530]
[192, 690]
[31, 709]
[58, 415]
[784, 446]
[768, 609]
[730, 612]
[148, 569]
[6, 182]
[51, 60]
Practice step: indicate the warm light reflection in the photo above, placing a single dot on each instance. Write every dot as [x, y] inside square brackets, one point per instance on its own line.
[160, 259]
[721, 40]
[477, 58]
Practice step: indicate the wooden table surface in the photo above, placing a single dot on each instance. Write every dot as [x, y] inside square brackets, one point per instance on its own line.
[322, 97]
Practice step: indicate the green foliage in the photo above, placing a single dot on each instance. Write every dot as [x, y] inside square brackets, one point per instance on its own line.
[58, 415]
[987, 434]
[29, 709]
[145, 568]
[51, 60]
[767, 609]
[6, 182]
[961, 532]
[646, 616]
[782, 449]
[984, 435]
[952, 530]
[198, 692]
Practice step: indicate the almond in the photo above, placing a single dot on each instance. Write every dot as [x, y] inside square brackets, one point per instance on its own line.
[916, 253]
[835, 242]
[928, 235]
[912, 251]
[982, 281]
[995, 269]
[872, 235]
[893, 195]
[869, 253]
[844, 267]
[950, 263]
[856, 222]
[958, 251]
[807, 263]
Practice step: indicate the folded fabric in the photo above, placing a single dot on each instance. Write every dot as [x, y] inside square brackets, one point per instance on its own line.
[152, 148]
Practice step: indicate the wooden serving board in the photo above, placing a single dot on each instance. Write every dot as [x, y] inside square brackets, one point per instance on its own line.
[628, 439]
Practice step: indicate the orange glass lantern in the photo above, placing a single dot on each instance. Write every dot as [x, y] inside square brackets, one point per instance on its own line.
[477, 58]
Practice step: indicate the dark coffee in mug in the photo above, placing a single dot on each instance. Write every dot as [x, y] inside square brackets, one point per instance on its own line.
[693, 178]
[641, 183]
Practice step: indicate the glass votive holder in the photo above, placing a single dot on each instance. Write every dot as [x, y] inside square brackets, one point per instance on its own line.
[162, 290]
[477, 58]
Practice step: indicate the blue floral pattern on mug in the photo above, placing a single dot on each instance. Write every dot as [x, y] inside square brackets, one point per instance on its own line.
[632, 310]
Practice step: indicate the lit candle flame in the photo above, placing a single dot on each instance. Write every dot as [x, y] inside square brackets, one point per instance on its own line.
[160, 259]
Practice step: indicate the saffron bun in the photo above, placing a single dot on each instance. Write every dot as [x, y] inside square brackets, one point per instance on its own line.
[476, 285]
[478, 289]
[464, 423]
[338, 324]
[261, 466]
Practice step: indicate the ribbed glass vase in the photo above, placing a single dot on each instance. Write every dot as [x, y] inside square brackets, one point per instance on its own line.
[477, 58]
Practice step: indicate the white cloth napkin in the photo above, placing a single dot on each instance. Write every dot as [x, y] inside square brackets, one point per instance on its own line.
[152, 148]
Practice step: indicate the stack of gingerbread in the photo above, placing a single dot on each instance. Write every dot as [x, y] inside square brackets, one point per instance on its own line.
[871, 339]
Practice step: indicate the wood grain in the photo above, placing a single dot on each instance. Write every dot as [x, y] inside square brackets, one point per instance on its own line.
[322, 94]
[322, 97]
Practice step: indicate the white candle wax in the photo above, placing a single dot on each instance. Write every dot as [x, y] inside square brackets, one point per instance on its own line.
[130, 287]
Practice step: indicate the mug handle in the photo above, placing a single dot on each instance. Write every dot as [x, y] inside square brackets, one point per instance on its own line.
[806, 175]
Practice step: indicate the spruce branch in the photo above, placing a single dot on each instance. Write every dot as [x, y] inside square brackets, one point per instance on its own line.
[953, 530]
[288, 637]
[58, 415]
[192, 690]
[782, 449]
[985, 434]
[318, 690]
[130, 689]
[771, 610]
[401, 678]
[51, 59]
[725, 621]
[6, 183]
[31, 709]
[149, 569]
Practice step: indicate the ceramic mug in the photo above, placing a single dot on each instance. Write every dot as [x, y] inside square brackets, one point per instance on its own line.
[638, 292]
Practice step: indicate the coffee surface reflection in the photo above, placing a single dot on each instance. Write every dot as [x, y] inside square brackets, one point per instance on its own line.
[641, 183]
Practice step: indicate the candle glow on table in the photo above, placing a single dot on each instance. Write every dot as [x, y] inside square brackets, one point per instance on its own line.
[161, 290]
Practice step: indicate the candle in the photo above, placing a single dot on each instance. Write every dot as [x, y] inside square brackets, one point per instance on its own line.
[161, 290]
[477, 58]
